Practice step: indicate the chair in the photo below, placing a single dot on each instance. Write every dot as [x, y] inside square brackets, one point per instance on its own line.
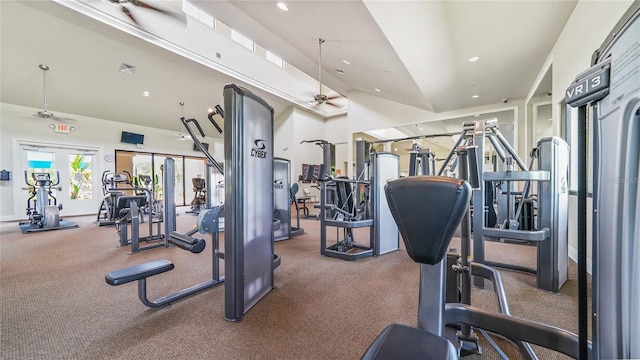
[308, 195]
[302, 200]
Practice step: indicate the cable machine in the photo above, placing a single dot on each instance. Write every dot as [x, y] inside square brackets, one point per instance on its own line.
[608, 93]
[248, 255]
[550, 235]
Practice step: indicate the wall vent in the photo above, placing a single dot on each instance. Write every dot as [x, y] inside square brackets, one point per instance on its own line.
[127, 68]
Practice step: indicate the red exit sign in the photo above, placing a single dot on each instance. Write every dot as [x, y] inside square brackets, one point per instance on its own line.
[62, 128]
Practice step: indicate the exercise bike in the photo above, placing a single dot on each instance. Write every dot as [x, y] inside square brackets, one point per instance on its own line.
[42, 207]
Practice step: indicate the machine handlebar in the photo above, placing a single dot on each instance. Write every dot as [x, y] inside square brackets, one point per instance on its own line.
[199, 145]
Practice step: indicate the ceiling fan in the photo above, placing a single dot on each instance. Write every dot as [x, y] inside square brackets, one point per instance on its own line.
[182, 135]
[141, 4]
[44, 113]
[321, 98]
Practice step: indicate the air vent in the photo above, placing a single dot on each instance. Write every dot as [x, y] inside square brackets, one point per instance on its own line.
[127, 69]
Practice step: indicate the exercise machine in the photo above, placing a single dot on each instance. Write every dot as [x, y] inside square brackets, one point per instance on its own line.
[341, 209]
[421, 161]
[42, 207]
[129, 211]
[608, 95]
[112, 188]
[207, 224]
[249, 258]
[413, 202]
[200, 195]
[282, 200]
[153, 203]
[551, 233]
[359, 203]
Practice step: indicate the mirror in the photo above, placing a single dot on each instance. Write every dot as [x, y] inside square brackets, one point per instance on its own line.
[439, 136]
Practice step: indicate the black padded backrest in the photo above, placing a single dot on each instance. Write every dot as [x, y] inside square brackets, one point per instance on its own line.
[293, 191]
[344, 192]
[427, 210]
[124, 202]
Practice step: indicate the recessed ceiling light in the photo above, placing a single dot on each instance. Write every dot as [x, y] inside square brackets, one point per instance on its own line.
[378, 90]
[475, 96]
[210, 110]
[477, 115]
[282, 6]
[346, 62]
[474, 59]
[145, 94]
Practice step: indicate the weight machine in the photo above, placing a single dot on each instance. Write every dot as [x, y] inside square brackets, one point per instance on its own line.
[349, 204]
[249, 258]
[608, 94]
[551, 233]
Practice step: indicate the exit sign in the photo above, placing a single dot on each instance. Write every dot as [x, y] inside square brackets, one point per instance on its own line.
[62, 128]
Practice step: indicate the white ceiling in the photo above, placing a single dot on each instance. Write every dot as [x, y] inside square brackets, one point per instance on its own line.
[415, 52]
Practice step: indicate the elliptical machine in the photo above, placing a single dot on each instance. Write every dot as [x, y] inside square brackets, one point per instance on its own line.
[42, 207]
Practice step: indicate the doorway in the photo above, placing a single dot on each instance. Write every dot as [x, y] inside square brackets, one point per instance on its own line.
[71, 168]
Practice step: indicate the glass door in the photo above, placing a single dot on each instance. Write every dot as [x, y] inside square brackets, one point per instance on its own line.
[71, 171]
[81, 196]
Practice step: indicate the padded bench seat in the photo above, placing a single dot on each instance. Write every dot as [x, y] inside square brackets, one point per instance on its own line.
[138, 272]
[401, 342]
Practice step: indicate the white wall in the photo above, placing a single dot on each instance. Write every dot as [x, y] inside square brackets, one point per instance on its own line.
[18, 123]
[283, 142]
[337, 133]
[589, 25]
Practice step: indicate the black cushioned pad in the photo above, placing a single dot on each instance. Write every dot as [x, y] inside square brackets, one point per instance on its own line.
[427, 210]
[137, 272]
[401, 342]
[125, 201]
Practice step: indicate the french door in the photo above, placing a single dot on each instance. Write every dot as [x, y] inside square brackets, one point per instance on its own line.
[71, 168]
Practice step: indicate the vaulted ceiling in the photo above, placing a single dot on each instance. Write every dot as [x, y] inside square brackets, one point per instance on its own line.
[414, 52]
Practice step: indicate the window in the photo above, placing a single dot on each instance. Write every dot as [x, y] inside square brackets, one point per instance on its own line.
[80, 177]
[275, 59]
[139, 163]
[198, 14]
[242, 40]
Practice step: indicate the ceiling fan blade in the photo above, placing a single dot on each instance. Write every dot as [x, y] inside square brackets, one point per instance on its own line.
[145, 5]
[333, 97]
[127, 12]
[332, 104]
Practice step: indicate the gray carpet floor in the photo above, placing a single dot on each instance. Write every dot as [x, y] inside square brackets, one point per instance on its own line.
[56, 304]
